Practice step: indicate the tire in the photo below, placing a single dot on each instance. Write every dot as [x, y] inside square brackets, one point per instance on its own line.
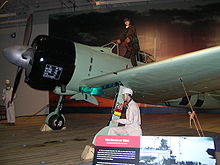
[56, 122]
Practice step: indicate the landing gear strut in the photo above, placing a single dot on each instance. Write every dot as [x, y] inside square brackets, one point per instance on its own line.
[117, 111]
[56, 119]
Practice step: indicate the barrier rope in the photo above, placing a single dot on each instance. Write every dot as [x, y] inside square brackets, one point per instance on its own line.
[40, 110]
[192, 114]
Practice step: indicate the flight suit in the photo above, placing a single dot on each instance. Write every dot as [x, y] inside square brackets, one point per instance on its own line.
[132, 46]
[132, 122]
[10, 111]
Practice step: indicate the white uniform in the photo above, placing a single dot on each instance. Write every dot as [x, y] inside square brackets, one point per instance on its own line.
[10, 111]
[132, 122]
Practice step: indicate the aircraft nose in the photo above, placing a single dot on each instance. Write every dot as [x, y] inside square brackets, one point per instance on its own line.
[17, 55]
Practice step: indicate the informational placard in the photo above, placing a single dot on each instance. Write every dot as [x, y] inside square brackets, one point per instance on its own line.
[151, 150]
[117, 150]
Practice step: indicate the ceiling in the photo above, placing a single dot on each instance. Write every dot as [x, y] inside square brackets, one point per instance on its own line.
[23, 6]
[16, 11]
[8, 8]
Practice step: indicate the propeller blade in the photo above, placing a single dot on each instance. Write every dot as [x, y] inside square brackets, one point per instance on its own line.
[28, 30]
[16, 83]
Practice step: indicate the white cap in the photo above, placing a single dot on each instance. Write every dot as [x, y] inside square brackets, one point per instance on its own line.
[127, 90]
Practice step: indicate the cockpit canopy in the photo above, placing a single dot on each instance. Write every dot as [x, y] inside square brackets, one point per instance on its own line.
[115, 48]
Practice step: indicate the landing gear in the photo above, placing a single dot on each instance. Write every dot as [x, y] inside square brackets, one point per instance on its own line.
[56, 122]
[56, 119]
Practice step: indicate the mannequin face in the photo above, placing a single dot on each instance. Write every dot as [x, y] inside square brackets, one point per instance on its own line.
[7, 83]
[127, 23]
[126, 97]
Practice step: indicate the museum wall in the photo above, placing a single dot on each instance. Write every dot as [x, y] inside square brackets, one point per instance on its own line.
[163, 33]
[28, 100]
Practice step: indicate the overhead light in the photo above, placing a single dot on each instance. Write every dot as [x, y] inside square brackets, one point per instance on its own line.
[110, 2]
[13, 35]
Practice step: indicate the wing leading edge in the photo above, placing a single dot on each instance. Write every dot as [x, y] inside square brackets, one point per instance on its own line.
[160, 81]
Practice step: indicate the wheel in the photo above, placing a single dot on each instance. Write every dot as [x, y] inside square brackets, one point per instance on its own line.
[56, 122]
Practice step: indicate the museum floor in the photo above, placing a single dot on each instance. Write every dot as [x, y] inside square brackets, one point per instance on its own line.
[25, 144]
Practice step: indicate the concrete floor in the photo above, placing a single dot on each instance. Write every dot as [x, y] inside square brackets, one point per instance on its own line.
[25, 144]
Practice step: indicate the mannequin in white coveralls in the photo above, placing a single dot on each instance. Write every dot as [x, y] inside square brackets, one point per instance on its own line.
[6, 98]
[133, 118]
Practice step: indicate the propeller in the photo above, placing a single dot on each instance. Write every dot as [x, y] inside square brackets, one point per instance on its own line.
[27, 36]
[28, 30]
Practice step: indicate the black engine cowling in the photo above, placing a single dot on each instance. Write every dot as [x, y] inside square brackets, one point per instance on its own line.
[53, 63]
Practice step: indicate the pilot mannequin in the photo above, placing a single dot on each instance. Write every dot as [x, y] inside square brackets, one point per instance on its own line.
[133, 118]
[129, 39]
[6, 98]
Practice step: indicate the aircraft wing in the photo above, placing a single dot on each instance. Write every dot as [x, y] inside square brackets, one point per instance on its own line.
[160, 81]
